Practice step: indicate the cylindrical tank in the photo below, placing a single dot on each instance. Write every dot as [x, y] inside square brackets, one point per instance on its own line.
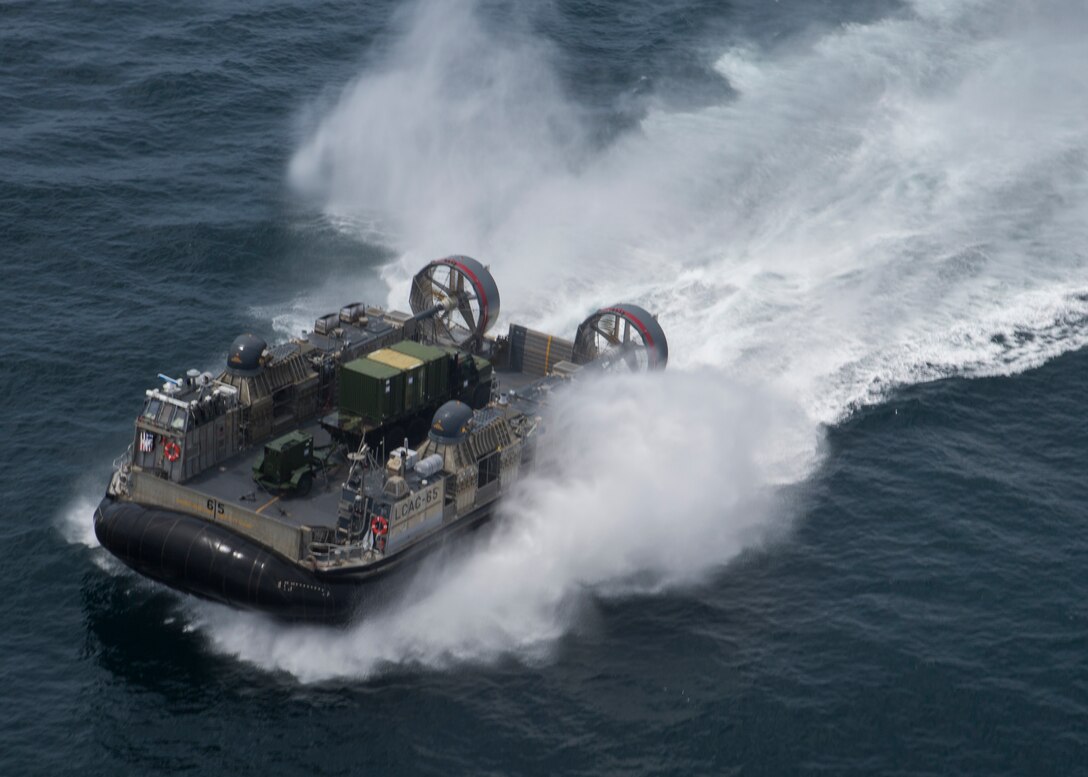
[430, 465]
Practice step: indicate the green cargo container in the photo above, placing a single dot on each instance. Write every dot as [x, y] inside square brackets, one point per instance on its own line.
[413, 371]
[371, 389]
[436, 368]
[483, 368]
[464, 367]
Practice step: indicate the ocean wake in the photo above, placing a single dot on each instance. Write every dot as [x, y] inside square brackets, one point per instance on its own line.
[622, 501]
[892, 202]
[885, 203]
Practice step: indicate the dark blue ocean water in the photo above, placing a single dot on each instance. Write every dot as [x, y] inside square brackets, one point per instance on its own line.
[915, 603]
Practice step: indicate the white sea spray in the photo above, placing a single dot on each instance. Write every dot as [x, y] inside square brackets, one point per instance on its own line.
[886, 203]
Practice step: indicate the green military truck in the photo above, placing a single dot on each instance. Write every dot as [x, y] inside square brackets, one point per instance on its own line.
[392, 393]
[287, 464]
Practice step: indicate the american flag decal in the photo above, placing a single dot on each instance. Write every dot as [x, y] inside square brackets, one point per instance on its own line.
[147, 442]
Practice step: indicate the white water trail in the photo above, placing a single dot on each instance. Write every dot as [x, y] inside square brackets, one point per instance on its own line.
[75, 522]
[621, 501]
[893, 202]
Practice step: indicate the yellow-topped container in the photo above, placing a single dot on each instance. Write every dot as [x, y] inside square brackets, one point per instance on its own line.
[401, 361]
[411, 367]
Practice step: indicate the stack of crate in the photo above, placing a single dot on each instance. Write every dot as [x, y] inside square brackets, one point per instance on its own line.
[395, 381]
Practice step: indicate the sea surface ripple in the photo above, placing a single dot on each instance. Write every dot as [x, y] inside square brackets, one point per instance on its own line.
[878, 311]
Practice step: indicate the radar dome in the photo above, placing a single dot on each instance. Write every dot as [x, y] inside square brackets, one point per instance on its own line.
[245, 355]
[451, 423]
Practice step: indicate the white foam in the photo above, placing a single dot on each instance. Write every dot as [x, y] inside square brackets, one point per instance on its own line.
[889, 203]
[76, 521]
[641, 484]
[876, 202]
[76, 524]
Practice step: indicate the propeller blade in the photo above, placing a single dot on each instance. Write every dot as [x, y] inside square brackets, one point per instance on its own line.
[608, 336]
[465, 309]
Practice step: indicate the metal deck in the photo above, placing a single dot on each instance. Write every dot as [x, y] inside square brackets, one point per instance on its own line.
[233, 482]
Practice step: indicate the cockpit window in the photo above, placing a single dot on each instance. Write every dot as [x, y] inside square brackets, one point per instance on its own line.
[165, 414]
[179, 420]
[152, 409]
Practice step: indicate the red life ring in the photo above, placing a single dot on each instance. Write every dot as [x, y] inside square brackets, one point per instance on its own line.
[171, 450]
[380, 525]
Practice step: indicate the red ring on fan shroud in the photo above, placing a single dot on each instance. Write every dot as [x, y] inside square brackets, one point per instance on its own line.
[645, 323]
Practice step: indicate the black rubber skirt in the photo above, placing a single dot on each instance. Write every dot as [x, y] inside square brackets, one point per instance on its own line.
[213, 562]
